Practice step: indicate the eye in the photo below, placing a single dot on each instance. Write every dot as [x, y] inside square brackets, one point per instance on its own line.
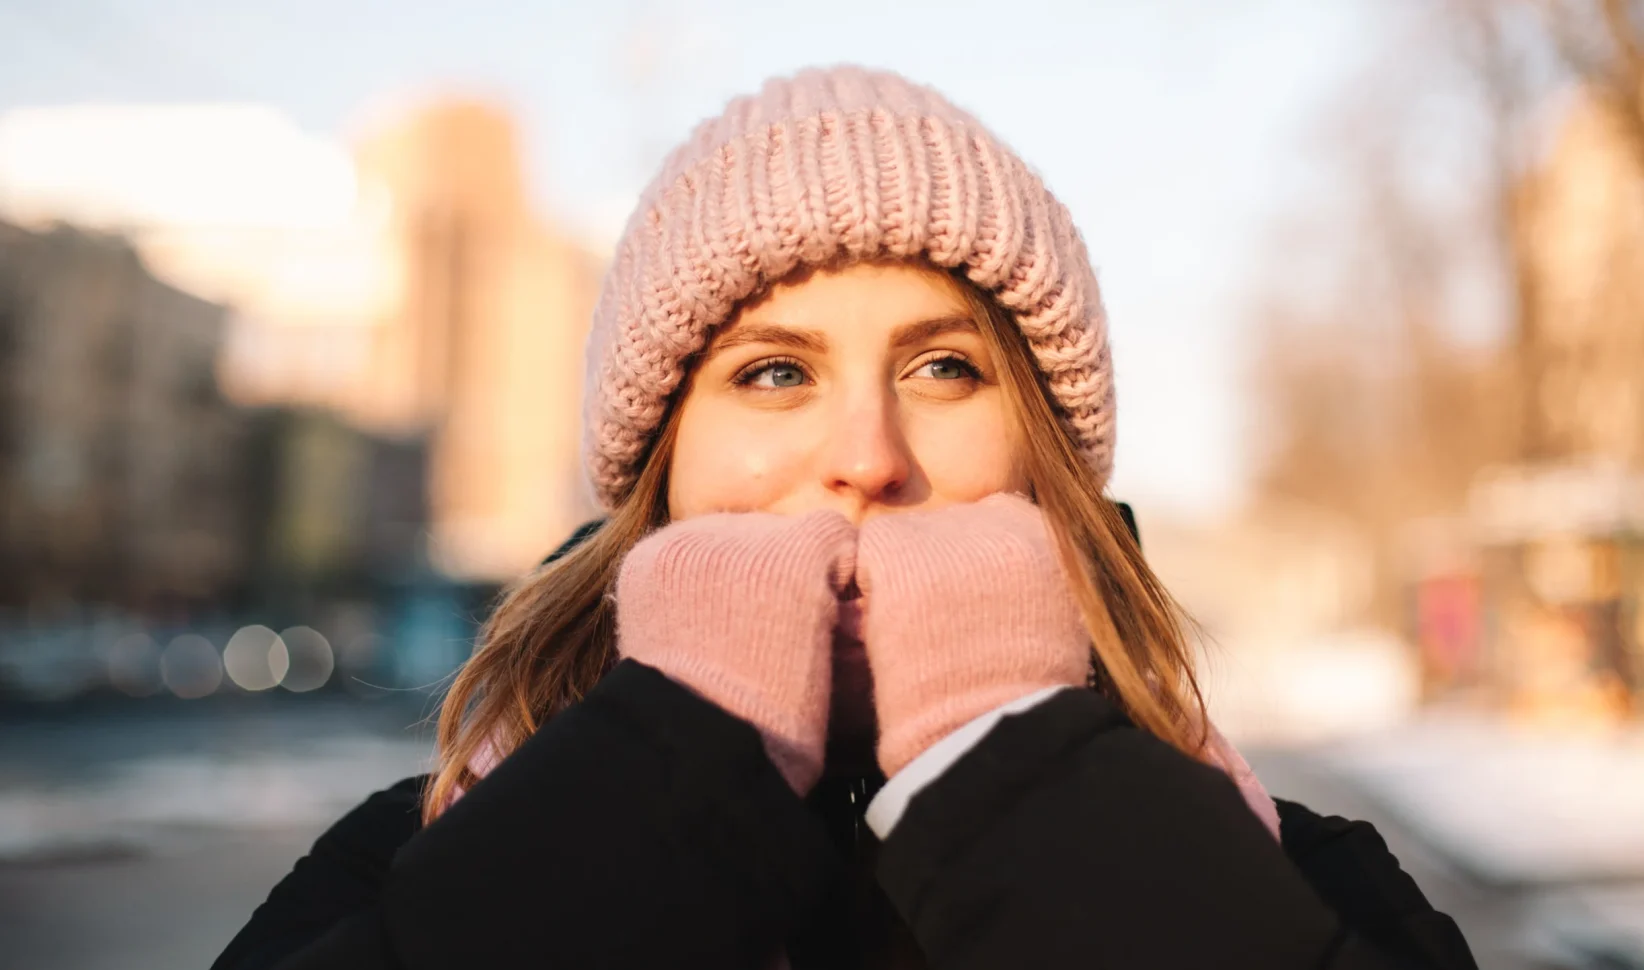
[771, 374]
[949, 367]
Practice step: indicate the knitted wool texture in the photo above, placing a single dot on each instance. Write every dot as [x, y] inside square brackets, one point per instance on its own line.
[741, 608]
[967, 608]
[831, 166]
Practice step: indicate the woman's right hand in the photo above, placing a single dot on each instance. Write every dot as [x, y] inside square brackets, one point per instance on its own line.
[740, 607]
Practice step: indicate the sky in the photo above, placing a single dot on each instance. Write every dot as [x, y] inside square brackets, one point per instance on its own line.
[1175, 131]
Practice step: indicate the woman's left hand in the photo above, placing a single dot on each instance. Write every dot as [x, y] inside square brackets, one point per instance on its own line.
[967, 608]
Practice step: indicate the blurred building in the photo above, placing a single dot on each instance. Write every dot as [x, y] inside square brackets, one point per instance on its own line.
[482, 342]
[439, 305]
[119, 461]
[406, 285]
[330, 510]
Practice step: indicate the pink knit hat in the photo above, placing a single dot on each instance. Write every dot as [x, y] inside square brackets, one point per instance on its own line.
[829, 164]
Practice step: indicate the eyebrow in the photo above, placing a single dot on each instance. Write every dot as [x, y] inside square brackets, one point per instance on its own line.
[770, 333]
[923, 330]
[815, 342]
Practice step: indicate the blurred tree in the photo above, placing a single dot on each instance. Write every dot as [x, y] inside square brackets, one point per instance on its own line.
[1469, 289]
[1520, 57]
[1601, 42]
[1369, 411]
[1466, 291]
[1378, 393]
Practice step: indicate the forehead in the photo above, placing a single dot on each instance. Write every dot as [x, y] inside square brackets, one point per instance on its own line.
[860, 296]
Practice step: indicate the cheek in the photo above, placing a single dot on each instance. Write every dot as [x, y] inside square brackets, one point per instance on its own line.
[727, 463]
[966, 454]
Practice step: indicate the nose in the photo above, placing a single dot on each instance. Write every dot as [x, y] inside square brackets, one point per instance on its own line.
[867, 460]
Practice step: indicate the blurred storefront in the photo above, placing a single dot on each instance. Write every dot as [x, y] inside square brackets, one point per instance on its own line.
[1533, 598]
[1561, 553]
[1444, 604]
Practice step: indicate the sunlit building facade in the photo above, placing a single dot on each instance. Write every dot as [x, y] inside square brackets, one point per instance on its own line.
[482, 339]
[405, 284]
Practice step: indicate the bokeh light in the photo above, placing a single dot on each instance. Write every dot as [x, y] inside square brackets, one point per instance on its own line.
[191, 667]
[134, 665]
[309, 659]
[255, 658]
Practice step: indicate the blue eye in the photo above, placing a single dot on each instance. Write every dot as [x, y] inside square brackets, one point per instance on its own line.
[785, 375]
[950, 369]
[772, 374]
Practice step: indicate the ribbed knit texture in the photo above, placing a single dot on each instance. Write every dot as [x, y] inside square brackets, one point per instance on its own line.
[741, 608]
[967, 609]
[844, 164]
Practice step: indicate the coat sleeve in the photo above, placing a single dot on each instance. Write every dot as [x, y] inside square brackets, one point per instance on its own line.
[341, 876]
[643, 827]
[1069, 838]
[1349, 865]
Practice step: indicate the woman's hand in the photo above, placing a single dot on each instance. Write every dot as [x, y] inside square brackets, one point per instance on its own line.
[740, 607]
[967, 608]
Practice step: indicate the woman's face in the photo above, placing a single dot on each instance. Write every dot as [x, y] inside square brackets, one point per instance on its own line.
[867, 389]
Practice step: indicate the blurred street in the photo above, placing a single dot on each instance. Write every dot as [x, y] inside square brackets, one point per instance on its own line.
[140, 838]
[1524, 925]
[134, 837]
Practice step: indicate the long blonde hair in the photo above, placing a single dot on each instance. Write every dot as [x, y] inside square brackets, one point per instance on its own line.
[553, 635]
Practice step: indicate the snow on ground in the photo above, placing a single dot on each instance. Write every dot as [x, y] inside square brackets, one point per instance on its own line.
[143, 800]
[1594, 927]
[1509, 804]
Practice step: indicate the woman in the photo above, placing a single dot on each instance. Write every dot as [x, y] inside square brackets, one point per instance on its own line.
[851, 410]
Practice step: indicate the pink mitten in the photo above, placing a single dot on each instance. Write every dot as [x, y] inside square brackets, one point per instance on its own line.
[967, 608]
[740, 608]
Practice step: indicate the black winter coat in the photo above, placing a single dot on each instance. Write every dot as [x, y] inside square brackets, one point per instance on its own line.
[645, 828]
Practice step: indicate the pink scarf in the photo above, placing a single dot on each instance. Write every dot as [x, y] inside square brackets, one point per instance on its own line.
[1223, 755]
